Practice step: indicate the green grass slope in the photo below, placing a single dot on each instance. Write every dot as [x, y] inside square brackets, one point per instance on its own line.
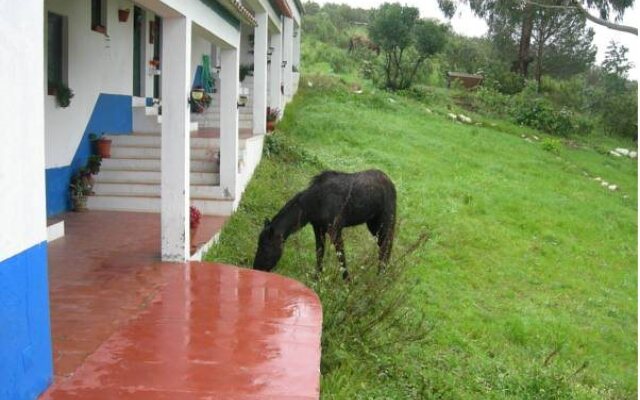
[528, 280]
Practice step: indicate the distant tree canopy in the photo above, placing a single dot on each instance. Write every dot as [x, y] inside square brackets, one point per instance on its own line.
[542, 15]
[405, 40]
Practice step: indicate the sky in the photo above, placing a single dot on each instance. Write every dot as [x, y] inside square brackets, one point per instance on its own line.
[465, 23]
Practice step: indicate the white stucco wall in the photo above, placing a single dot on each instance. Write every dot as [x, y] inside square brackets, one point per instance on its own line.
[22, 199]
[96, 64]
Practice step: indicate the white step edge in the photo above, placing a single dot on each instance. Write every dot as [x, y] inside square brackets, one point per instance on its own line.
[55, 231]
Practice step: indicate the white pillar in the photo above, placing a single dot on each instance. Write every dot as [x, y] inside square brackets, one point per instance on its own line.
[229, 88]
[287, 55]
[275, 80]
[260, 74]
[175, 153]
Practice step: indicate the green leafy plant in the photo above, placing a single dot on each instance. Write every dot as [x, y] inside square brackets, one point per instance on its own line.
[551, 145]
[245, 70]
[81, 187]
[62, 92]
[199, 100]
[94, 163]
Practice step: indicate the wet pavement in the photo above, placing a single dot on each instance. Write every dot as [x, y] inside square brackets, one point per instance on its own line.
[127, 326]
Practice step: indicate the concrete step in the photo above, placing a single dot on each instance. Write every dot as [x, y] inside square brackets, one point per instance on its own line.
[152, 177]
[155, 141]
[202, 192]
[154, 153]
[138, 164]
[153, 204]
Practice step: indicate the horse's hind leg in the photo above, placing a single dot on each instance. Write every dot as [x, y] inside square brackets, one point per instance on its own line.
[385, 242]
[336, 238]
[320, 234]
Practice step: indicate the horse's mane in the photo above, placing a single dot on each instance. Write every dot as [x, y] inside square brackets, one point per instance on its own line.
[287, 206]
[323, 176]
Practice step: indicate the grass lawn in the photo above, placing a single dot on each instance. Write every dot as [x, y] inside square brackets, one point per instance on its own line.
[528, 281]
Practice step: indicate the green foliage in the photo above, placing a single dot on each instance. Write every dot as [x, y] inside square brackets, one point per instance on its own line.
[63, 94]
[616, 61]
[406, 41]
[551, 145]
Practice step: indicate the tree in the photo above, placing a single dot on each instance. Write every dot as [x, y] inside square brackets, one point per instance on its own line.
[492, 10]
[562, 42]
[616, 61]
[406, 41]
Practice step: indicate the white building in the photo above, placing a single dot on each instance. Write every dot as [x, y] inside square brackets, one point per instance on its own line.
[131, 66]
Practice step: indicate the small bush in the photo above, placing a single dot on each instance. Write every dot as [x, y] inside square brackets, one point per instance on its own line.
[551, 145]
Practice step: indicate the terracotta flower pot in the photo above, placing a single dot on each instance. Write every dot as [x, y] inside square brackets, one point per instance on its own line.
[123, 15]
[103, 148]
[271, 125]
[79, 204]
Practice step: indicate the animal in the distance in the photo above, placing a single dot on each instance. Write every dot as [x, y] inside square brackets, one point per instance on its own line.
[333, 201]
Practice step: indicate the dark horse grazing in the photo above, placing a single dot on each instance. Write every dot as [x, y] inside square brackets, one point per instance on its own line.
[332, 201]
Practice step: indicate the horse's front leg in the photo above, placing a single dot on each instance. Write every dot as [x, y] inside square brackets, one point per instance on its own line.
[336, 238]
[320, 234]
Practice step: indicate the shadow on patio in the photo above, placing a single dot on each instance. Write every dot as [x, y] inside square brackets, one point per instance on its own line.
[127, 326]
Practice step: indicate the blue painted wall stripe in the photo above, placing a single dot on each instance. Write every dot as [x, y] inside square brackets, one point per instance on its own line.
[26, 365]
[111, 114]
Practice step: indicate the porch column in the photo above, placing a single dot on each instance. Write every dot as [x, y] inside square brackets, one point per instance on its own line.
[260, 74]
[275, 80]
[229, 89]
[175, 153]
[287, 55]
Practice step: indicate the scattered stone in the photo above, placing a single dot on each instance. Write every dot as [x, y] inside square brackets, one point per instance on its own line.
[493, 125]
[528, 140]
[358, 91]
[391, 100]
[613, 187]
[615, 153]
[428, 110]
[535, 137]
[604, 183]
[633, 154]
[478, 124]
[310, 84]
[597, 178]
[523, 136]
[453, 116]
[622, 151]
[464, 119]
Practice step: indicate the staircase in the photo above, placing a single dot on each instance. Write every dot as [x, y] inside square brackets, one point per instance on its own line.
[211, 117]
[130, 180]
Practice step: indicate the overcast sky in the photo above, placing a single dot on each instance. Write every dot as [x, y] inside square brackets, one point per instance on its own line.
[467, 24]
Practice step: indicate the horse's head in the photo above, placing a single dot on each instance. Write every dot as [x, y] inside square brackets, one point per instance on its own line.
[270, 245]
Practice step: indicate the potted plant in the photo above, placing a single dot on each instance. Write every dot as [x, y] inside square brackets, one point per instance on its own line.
[199, 100]
[123, 14]
[81, 187]
[272, 117]
[194, 221]
[101, 145]
[94, 163]
[245, 70]
[62, 92]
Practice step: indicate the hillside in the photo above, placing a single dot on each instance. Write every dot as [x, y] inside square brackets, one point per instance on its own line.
[527, 283]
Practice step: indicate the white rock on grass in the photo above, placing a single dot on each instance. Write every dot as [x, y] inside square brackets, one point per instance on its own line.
[597, 178]
[428, 110]
[535, 137]
[622, 151]
[615, 153]
[452, 116]
[604, 183]
[613, 187]
[633, 154]
[464, 119]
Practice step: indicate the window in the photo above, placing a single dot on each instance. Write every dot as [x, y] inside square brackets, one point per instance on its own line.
[56, 50]
[99, 16]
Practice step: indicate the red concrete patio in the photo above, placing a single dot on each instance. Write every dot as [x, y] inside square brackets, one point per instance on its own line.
[127, 326]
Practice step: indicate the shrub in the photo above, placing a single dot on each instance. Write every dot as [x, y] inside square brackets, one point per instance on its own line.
[551, 145]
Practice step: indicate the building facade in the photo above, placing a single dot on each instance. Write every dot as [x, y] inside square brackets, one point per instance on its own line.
[131, 67]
